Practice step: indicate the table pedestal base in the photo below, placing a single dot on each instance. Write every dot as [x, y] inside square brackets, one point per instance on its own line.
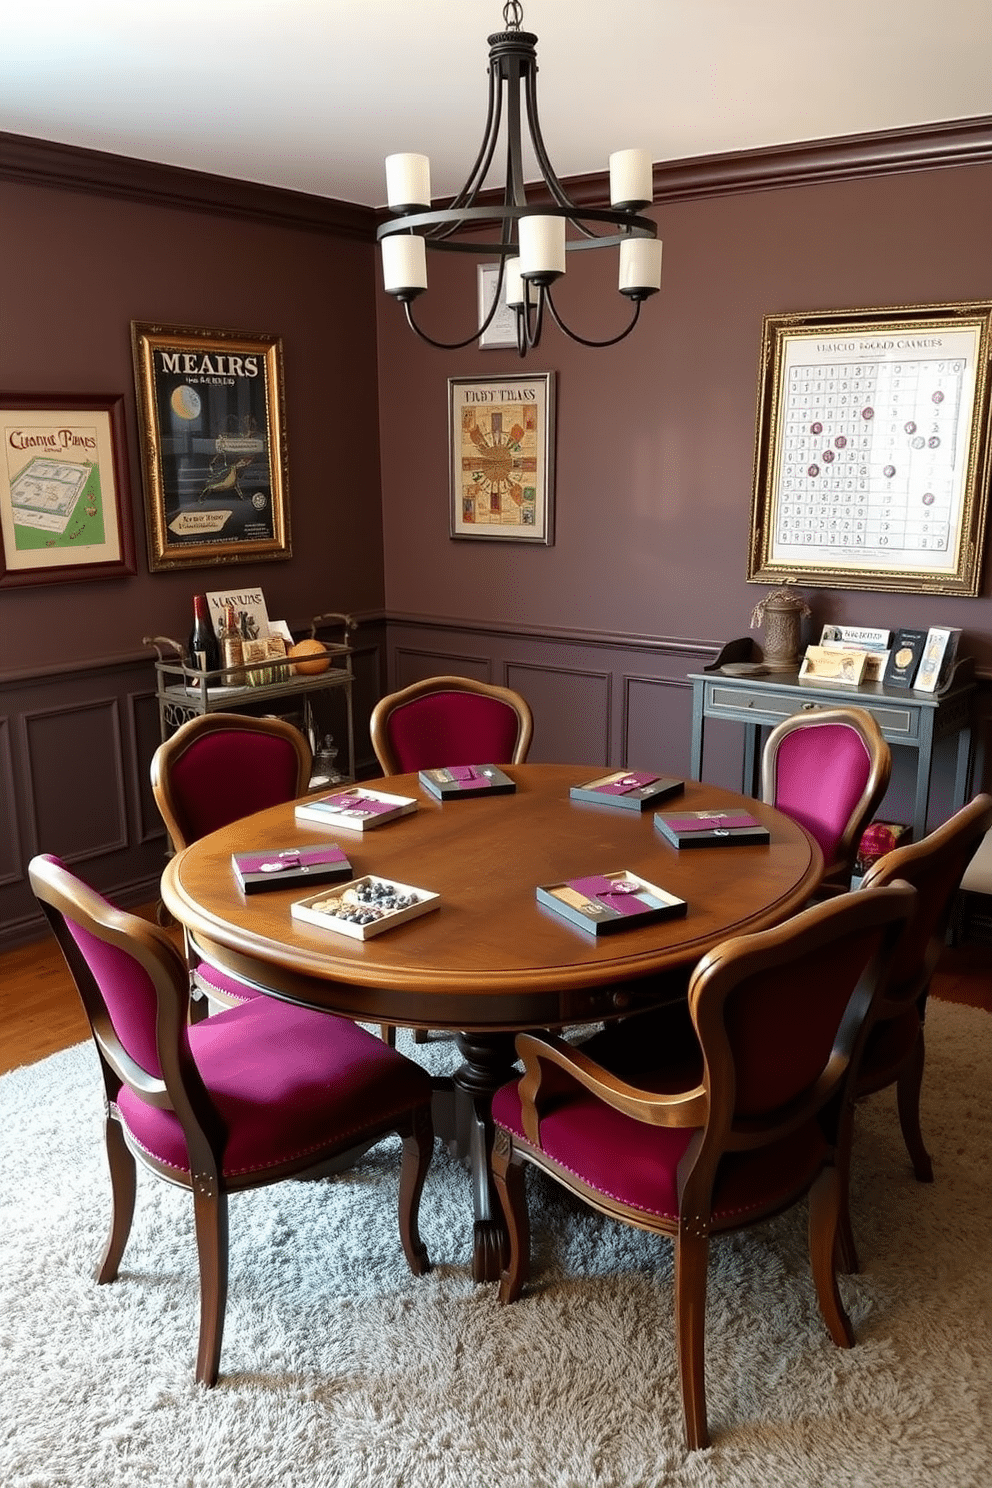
[463, 1119]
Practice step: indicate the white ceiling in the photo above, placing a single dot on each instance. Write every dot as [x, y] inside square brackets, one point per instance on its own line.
[312, 94]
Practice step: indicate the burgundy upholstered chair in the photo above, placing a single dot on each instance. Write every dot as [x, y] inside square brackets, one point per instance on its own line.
[212, 771]
[828, 770]
[894, 1053]
[257, 1093]
[450, 721]
[760, 1122]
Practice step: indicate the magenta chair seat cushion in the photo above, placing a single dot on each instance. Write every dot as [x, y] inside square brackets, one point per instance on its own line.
[587, 1138]
[452, 728]
[820, 774]
[286, 1081]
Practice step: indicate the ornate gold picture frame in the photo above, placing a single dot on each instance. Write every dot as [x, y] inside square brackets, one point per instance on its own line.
[872, 449]
[211, 418]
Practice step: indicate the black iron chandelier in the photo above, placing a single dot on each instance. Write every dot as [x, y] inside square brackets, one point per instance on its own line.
[534, 238]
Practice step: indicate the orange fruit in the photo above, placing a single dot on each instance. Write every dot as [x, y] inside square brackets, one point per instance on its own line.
[318, 660]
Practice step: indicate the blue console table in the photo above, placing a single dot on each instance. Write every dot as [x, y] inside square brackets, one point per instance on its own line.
[915, 720]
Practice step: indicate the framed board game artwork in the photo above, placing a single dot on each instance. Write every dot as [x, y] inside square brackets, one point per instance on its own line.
[501, 432]
[65, 496]
[872, 451]
[211, 418]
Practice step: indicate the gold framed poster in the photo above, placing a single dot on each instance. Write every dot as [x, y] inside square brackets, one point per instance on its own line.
[211, 418]
[872, 449]
[501, 433]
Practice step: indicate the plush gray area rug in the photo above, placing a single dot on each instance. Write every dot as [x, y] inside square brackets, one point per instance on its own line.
[340, 1368]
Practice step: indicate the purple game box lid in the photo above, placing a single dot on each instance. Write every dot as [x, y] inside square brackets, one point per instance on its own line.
[284, 859]
[705, 821]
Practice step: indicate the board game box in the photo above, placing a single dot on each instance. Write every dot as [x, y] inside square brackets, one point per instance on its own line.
[281, 868]
[459, 782]
[630, 790]
[711, 828]
[355, 809]
[604, 903]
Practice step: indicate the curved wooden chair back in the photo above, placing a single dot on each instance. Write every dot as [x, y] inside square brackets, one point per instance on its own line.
[828, 770]
[258, 1093]
[450, 721]
[219, 767]
[895, 1052]
[781, 1017]
[935, 868]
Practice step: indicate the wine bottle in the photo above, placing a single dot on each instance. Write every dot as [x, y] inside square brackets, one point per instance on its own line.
[230, 648]
[202, 650]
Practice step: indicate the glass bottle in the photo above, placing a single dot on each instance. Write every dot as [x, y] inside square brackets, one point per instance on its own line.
[232, 653]
[202, 650]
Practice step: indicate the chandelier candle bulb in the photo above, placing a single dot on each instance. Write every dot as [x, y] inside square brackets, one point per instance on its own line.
[640, 266]
[631, 179]
[404, 265]
[542, 248]
[408, 182]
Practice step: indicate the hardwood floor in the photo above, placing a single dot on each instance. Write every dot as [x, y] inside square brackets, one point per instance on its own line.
[40, 1011]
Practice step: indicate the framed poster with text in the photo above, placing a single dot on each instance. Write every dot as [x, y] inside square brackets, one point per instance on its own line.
[65, 497]
[872, 449]
[212, 427]
[501, 432]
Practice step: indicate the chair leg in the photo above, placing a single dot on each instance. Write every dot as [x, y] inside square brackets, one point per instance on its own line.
[123, 1188]
[211, 1223]
[908, 1088]
[387, 1032]
[691, 1261]
[846, 1257]
[825, 1202]
[418, 1149]
[510, 1182]
[846, 1252]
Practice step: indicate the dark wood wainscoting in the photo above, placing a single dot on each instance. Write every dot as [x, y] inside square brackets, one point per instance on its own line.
[596, 698]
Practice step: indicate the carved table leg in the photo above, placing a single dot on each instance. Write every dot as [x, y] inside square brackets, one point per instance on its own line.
[489, 1060]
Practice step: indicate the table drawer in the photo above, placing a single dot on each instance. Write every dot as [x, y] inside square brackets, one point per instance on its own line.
[752, 705]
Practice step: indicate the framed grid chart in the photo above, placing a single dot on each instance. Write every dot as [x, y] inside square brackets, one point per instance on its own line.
[872, 449]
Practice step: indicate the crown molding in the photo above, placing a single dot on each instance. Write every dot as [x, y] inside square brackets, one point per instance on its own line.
[940, 146]
[38, 162]
[953, 142]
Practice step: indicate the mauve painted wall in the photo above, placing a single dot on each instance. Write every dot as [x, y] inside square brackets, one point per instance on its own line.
[655, 436]
[76, 270]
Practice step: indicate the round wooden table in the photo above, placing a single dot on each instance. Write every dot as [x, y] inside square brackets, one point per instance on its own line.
[491, 960]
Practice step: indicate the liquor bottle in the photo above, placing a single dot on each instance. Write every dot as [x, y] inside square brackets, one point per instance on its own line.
[230, 648]
[202, 651]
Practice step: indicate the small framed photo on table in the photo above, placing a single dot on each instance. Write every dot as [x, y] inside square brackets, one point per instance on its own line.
[501, 433]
